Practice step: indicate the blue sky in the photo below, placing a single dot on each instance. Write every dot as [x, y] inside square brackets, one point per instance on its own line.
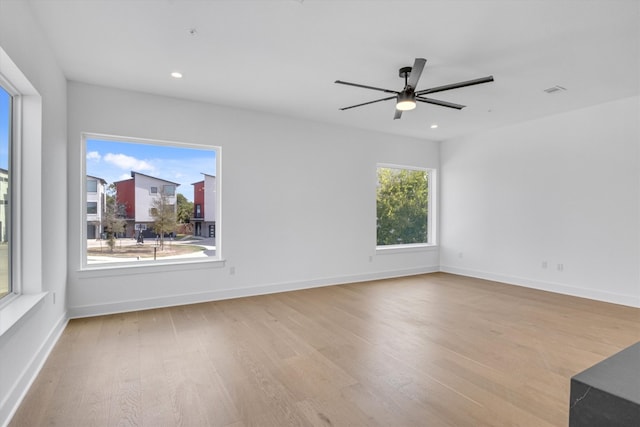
[4, 129]
[114, 161]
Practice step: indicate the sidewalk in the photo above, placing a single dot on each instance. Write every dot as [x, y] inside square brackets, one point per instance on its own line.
[208, 244]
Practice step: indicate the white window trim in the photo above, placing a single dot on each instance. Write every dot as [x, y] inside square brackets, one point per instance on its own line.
[26, 107]
[131, 267]
[432, 210]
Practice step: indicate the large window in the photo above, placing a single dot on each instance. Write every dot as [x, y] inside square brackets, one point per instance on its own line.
[403, 206]
[5, 193]
[142, 207]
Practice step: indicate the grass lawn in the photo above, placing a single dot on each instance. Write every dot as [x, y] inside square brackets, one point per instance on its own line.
[143, 251]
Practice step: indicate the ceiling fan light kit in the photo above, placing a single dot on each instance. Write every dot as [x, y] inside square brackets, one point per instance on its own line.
[406, 99]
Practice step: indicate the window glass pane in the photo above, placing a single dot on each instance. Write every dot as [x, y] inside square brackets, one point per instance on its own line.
[5, 180]
[148, 191]
[169, 190]
[402, 206]
[92, 185]
[92, 208]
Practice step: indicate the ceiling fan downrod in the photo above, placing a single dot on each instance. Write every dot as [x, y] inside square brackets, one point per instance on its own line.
[405, 72]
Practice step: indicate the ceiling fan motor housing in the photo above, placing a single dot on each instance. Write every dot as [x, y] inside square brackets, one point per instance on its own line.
[406, 100]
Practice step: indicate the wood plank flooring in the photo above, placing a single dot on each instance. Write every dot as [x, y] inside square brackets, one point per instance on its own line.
[428, 350]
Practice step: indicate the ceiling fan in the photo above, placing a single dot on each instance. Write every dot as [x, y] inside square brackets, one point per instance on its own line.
[406, 99]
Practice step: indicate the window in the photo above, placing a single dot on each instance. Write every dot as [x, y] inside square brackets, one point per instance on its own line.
[92, 185]
[145, 184]
[92, 208]
[403, 206]
[169, 190]
[20, 217]
[5, 191]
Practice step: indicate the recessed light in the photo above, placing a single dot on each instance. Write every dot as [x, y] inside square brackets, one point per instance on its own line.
[176, 75]
[434, 126]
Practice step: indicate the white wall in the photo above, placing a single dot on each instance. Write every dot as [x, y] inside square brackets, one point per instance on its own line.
[298, 200]
[209, 199]
[563, 190]
[43, 212]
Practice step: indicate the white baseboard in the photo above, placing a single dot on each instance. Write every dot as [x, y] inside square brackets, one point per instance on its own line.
[222, 294]
[19, 390]
[559, 288]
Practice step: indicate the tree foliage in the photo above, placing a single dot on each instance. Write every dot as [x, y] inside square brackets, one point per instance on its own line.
[401, 203]
[185, 209]
[112, 221]
[164, 216]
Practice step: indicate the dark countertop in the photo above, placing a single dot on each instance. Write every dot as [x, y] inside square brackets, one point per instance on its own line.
[618, 375]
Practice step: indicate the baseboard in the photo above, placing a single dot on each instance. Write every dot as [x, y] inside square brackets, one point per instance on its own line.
[21, 387]
[222, 294]
[559, 288]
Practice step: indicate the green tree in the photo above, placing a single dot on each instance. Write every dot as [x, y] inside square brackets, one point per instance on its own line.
[164, 216]
[185, 209]
[112, 220]
[401, 206]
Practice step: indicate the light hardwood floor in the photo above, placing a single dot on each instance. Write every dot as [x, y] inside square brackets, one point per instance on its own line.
[428, 350]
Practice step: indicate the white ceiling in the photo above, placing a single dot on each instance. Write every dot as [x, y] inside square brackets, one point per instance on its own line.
[283, 56]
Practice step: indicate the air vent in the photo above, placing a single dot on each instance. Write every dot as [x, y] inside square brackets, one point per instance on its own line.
[555, 89]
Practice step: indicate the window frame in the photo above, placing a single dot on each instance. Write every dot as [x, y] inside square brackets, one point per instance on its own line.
[27, 289]
[124, 267]
[432, 224]
[14, 148]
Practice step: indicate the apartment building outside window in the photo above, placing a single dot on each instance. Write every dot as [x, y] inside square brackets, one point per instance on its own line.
[139, 204]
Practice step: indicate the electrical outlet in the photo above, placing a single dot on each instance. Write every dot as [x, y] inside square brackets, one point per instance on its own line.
[560, 267]
[545, 264]
[370, 258]
[232, 270]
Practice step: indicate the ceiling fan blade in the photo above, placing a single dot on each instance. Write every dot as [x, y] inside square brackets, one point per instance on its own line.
[366, 87]
[440, 103]
[456, 85]
[416, 72]
[367, 103]
[397, 115]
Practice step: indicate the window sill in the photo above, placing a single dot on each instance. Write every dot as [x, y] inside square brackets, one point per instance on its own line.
[397, 249]
[16, 308]
[127, 269]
